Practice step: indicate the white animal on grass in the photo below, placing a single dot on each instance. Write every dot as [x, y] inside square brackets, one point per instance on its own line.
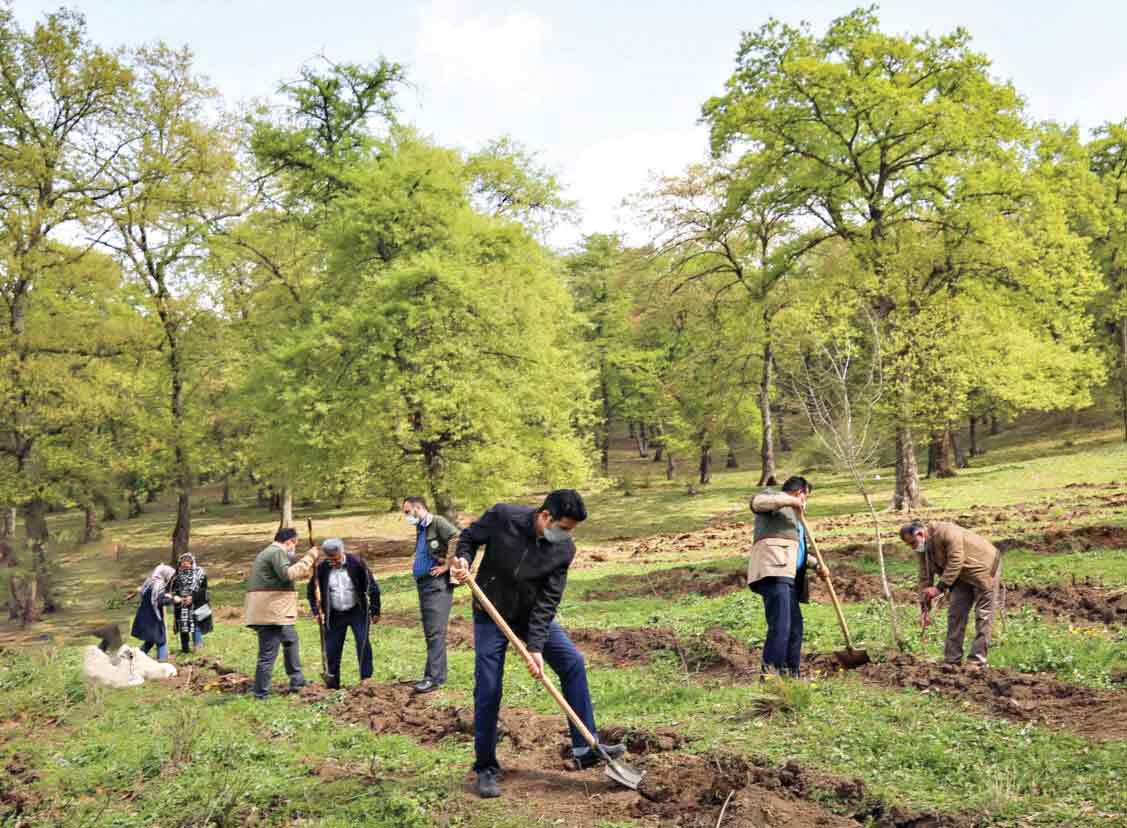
[97, 666]
[144, 666]
[129, 668]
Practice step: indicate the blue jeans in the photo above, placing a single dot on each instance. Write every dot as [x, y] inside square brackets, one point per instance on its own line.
[782, 651]
[560, 654]
[335, 632]
[162, 650]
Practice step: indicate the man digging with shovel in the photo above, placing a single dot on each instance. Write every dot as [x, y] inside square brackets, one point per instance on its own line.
[521, 579]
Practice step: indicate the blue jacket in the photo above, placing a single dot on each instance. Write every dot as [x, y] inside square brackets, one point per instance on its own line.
[148, 625]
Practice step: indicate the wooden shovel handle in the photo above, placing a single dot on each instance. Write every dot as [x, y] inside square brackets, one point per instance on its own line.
[829, 581]
[491, 611]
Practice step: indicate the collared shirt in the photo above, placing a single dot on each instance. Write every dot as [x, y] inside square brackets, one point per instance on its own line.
[801, 549]
[342, 594]
[424, 561]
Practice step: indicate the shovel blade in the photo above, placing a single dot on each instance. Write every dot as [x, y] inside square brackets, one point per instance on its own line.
[852, 659]
[623, 774]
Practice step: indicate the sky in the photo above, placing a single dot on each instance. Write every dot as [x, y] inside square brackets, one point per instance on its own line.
[607, 93]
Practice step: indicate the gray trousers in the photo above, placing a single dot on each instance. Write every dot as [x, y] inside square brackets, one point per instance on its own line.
[436, 595]
[963, 597]
[270, 636]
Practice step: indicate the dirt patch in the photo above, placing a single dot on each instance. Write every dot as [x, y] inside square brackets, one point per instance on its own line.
[17, 790]
[1065, 541]
[692, 790]
[1077, 601]
[1035, 698]
[713, 651]
[670, 583]
[851, 584]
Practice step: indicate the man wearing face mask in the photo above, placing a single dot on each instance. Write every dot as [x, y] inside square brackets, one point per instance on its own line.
[270, 608]
[523, 574]
[433, 534]
[969, 568]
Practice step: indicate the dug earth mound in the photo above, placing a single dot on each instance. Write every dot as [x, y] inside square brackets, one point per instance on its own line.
[1035, 698]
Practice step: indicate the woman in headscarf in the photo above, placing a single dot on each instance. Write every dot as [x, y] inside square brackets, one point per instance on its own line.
[189, 591]
[148, 623]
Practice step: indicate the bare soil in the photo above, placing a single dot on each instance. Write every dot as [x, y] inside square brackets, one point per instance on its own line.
[1037, 698]
[851, 584]
[1078, 601]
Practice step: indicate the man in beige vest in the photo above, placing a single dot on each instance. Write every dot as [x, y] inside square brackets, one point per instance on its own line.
[968, 567]
[776, 571]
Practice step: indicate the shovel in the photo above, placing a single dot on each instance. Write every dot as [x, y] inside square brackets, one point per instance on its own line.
[330, 680]
[850, 657]
[624, 775]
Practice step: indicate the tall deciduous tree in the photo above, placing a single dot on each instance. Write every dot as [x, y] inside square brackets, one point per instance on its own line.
[878, 132]
[175, 183]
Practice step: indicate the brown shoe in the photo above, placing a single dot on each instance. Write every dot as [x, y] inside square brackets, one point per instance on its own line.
[974, 667]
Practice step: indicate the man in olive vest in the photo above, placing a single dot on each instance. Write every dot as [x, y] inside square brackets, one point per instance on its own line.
[271, 607]
[430, 570]
[776, 571]
[968, 567]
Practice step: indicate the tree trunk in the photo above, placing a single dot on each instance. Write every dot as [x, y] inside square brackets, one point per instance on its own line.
[182, 531]
[767, 447]
[134, 505]
[275, 501]
[670, 468]
[39, 583]
[908, 495]
[940, 455]
[7, 522]
[436, 482]
[730, 462]
[261, 497]
[705, 464]
[643, 441]
[226, 499]
[784, 440]
[659, 451]
[960, 455]
[287, 507]
[91, 529]
[995, 425]
[974, 452]
[1123, 379]
[151, 495]
[604, 457]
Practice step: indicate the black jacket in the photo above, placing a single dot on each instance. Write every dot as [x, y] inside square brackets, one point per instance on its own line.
[521, 574]
[367, 590]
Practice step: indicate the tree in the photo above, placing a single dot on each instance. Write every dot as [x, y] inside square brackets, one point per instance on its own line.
[834, 367]
[877, 133]
[605, 280]
[174, 184]
[1108, 153]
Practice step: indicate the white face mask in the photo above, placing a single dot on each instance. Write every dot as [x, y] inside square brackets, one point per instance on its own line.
[414, 521]
[554, 534]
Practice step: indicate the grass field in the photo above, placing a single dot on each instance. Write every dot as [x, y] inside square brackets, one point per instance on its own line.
[656, 604]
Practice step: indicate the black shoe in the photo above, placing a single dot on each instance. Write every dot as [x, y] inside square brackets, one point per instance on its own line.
[426, 686]
[297, 685]
[333, 682]
[486, 785]
[592, 757]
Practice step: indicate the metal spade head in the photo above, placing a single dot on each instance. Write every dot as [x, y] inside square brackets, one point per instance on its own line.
[852, 659]
[622, 774]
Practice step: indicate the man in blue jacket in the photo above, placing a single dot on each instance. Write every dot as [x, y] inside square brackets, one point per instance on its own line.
[523, 574]
[350, 597]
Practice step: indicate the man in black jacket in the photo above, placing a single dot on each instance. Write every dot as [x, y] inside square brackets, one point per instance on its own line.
[351, 597]
[523, 574]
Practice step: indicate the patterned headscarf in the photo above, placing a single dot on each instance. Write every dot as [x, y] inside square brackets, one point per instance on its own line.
[190, 580]
[159, 580]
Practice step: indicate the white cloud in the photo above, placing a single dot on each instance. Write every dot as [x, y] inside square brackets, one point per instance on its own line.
[497, 55]
[606, 172]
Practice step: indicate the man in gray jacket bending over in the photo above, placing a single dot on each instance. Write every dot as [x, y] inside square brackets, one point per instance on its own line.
[776, 571]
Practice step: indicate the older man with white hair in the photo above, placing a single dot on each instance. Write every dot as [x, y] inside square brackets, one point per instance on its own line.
[350, 597]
